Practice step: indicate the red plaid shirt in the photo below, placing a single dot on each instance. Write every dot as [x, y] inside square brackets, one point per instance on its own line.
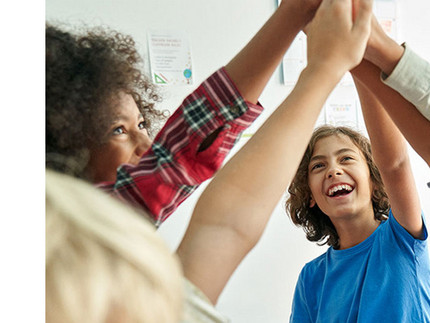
[173, 168]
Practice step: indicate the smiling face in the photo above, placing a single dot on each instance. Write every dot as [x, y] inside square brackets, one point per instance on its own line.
[339, 179]
[127, 141]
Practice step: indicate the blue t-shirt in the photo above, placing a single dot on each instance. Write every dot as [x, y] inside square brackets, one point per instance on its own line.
[385, 278]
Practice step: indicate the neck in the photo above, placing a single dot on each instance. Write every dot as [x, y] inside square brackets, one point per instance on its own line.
[353, 232]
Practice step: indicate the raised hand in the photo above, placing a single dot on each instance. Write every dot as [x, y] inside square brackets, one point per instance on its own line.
[336, 40]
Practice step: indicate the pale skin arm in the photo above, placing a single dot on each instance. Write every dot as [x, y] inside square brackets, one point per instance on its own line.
[390, 153]
[233, 211]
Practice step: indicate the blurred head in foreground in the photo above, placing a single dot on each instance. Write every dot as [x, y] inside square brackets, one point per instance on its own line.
[104, 263]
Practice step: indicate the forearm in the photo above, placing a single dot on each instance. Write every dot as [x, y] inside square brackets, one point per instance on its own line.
[233, 211]
[280, 143]
[253, 66]
[382, 131]
[401, 68]
[384, 52]
[390, 153]
[414, 126]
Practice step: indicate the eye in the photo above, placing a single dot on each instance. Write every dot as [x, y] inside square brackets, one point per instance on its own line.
[142, 125]
[118, 130]
[317, 165]
[346, 158]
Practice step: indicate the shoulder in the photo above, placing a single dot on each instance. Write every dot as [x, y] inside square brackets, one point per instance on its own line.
[394, 231]
[313, 267]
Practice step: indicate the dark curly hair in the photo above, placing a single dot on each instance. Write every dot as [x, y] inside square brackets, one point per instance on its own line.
[317, 225]
[85, 73]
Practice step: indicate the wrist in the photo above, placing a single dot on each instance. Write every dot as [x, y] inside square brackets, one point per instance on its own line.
[301, 15]
[331, 72]
[385, 53]
[324, 73]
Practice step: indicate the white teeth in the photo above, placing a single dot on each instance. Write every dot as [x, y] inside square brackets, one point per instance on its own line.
[338, 188]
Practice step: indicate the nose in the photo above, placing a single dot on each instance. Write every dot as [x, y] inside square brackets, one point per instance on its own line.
[333, 171]
[142, 143]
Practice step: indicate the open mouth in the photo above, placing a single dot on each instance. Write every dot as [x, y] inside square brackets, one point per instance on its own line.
[339, 190]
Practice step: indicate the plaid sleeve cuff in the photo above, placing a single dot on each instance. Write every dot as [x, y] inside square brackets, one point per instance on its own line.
[217, 103]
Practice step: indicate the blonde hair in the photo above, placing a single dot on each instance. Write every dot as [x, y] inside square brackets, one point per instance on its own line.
[104, 262]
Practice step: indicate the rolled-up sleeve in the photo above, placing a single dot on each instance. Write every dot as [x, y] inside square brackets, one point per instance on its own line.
[411, 78]
[175, 165]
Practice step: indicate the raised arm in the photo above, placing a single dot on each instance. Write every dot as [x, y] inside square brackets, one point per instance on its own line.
[414, 126]
[232, 212]
[406, 73]
[390, 152]
[252, 67]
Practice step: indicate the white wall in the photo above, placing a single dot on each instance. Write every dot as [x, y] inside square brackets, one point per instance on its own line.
[261, 289]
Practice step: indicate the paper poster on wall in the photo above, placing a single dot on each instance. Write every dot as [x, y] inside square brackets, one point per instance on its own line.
[341, 108]
[170, 58]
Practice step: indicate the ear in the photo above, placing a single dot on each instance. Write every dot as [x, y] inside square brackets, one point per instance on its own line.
[312, 202]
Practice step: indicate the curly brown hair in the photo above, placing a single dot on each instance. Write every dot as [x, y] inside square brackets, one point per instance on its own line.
[317, 225]
[85, 73]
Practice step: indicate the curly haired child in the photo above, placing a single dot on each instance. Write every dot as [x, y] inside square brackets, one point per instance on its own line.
[99, 107]
[316, 224]
[361, 200]
[86, 77]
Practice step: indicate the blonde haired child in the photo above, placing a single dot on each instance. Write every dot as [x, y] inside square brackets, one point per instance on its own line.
[104, 263]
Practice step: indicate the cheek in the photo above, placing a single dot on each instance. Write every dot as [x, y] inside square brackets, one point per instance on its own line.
[313, 184]
[119, 154]
[366, 180]
[107, 159]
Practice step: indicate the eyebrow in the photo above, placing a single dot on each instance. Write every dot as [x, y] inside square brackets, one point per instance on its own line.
[122, 117]
[339, 152]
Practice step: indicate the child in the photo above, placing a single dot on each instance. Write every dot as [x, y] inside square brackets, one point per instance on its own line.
[105, 263]
[95, 81]
[377, 268]
[398, 67]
